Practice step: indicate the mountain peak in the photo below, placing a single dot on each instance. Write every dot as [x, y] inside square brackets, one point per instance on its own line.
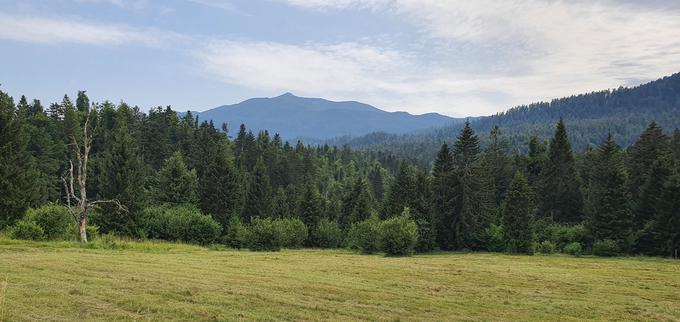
[286, 95]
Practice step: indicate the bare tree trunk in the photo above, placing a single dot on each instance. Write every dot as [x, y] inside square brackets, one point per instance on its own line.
[82, 226]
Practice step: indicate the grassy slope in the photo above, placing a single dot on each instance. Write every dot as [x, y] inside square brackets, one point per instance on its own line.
[48, 281]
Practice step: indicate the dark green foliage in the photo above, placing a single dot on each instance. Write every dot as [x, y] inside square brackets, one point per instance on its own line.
[365, 235]
[265, 235]
[559, 187]
[26, 230]
[561, 235]
[402, 192]
[517, 216]
[443, 183]
[280, 207]
[259, 200]
[399, 235]
[327, 234]
[497, 161]
[310, 207]
[180, 223]
[17, 170]
[57, 222]
[649, 149]
[574, 249]
[610, 215]
[666, 224]
[494, 238]
[606, 248]
[236, 234]
[175, 183]
[356, 203]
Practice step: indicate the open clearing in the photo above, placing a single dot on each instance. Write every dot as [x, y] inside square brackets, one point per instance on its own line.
[156, 281]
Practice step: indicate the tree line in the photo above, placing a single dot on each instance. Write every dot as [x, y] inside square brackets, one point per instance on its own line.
[168, 175]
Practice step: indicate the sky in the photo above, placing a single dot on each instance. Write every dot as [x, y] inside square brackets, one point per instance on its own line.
[454, 57]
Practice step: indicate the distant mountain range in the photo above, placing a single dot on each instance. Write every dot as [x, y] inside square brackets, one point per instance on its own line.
[625, 112]
[312, 119]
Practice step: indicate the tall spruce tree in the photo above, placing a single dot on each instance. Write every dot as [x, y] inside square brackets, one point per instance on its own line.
[609, 209]
[310, 207]
[497, 161]
[175, 183]
[650, 148]
[280, 207]
[357, 203]
[17, 170]
[259, 200]
[402, 192]
[473, 195]
[560, 185]
[518, 211]
[666, 226]
[443, 194]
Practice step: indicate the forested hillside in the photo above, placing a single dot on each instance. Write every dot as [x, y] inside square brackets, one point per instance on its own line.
[625, 112]
[109, 168]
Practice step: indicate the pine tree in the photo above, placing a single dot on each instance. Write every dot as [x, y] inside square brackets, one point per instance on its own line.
[280, 207]
[666, 227]
[473, 194]
[422, 214]
[537, 158]
[443, 194]
[175, 183]
[356, 203]
[17, 170]
[310, 207]
[675, 147]
[651, 147]
[258, 202]
[517, 216]
[610, 215]
[497, 160]
[560, 184]
[121, 176]
[402, 192]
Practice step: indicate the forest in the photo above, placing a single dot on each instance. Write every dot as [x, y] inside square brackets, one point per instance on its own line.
[85, 170]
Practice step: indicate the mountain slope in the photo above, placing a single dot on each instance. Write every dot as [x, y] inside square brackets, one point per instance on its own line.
[589, 117]
[315, 118]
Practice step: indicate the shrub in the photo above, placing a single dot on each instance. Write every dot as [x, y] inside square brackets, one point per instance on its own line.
[55, 220]
[574, 249]
[398, 235]
[294, 232]
[606, 248]
[546, 247]
[328, 234]
[236, 235]
[26, 229]
[264, 235]
[180, 223]
[365, 235]
[561, 235]
[493, 238]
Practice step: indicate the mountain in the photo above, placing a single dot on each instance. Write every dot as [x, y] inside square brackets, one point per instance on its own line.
[315, 118]
[625, 112]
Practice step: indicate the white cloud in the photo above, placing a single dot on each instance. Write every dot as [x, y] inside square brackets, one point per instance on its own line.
[53, 31]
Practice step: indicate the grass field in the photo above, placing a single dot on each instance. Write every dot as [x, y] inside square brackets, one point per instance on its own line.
[156, 281]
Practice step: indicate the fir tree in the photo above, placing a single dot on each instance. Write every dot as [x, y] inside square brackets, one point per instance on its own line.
[175, 183]
[497, 161]
[402, 192]
[560, 193]
[666, 227]
[649, 149]
[310, 206]
[258, 203]
[443, 194]
[356, 203]
[517, 216]
[610, 216]
[280, 207]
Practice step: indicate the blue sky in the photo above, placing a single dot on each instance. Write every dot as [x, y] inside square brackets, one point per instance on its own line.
[458, 58]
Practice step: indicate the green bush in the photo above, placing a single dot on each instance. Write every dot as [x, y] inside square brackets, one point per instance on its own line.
[294, 232]
[55, 220]
[398, 235]
[180, 223]
[606, 248]
[264, 234]
[574, 249]
[26, 229]
[365, 235]
[546, 247]
[493, 238]
[236, 235]
[328, 234]
[561, 235]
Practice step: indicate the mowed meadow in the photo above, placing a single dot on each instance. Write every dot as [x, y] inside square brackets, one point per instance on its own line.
[126, 280]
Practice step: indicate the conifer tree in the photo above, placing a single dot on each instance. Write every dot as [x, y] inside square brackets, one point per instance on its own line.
[537, 158]
[16, 167]
[666, 227]
[280, 207]
[560, 185]
[310, 206]
[175, 183]
[651, 147]
[473, 195]
[258, 202]
[443, 194]
[498, 163]
[422, 214]
[356, 203]
[517, 216]
[402, 192]
[610, 215]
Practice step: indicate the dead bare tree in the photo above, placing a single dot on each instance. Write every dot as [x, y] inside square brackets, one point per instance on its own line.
[81, 148]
